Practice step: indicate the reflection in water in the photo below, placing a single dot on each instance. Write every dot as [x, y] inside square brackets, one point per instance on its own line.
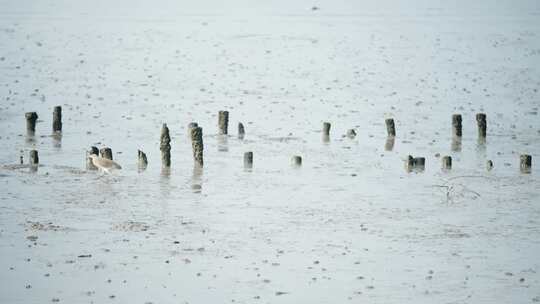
[389, 145]
[326, 138]
[30, 138]
[57, 140]
[223, 143]
[456, 144]
[196, 178]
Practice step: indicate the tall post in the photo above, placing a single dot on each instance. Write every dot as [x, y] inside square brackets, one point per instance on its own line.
[142, 161]
[456, 125]
[197, 145]
[223, 122]
[241, 130]
[326, 128]
[165, 146]
[57, 119]
[34, 158]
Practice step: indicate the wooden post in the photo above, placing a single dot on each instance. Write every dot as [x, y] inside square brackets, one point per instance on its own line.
[390, 127]
[142, 160]
[31, 118]
[165, 146]
[326, 129]
[223, 122]
[197, 144]
[409, 163]
[106, 153]
[489, 165]
[297, 160]
[482, 125]
[351, 133]
[34, 158]
[57, 119]
[420, 162]
[456, 125]
[447, 162]
[248, 160]
[241, 130]
[525, 163]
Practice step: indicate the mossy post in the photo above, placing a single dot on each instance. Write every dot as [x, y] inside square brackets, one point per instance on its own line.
[525, 163]
[165, 146]
[106, 153]
[390, 127]
[191, 125]
[456, 125]
[482, 125]
[89, 163]
[197, 145]
[248, 160]
[223, 122]
[57, 120]
[31, 118]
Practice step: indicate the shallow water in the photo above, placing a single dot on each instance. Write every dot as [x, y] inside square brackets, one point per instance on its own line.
[349, 225]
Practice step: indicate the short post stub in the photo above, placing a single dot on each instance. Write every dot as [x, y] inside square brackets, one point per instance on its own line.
[351, 133]
[447, 162]
[525, 163]
[456, 125]
[390, 127]
[191, 125]
[241, 130]
[482, 124]
[106, 153]
[197, 145]
[223, 122]
[248, 160]
[57, 119]
[489, 165]
[142, 161]
[31, 118]
[297, 160]
[165, 146]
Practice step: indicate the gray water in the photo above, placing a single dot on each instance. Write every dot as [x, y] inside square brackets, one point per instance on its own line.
[350, 225]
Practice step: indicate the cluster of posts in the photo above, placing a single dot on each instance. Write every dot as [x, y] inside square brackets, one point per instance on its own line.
[196, 134]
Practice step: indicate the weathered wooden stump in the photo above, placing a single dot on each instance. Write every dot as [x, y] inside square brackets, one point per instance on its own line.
[89, 163]
[165, 146]
[482, 125]
[525, 163]
[420, 162]
[241, 130]
[447, 162]
[415, 163]
[106, 153]
[223, 122]
[57, 119]
[351, 133]
[297, 160]
[248, 160]
[489, 165]
[390, 127]
[456, 125]
[142, 161]
[197, 144]
[31, 118]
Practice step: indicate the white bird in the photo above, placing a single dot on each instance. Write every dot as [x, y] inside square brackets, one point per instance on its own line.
[104, 164]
